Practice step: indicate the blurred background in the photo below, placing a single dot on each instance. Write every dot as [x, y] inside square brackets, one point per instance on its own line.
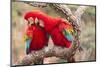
[87, 39]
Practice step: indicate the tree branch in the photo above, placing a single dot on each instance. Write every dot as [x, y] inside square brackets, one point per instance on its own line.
[37, 4]
[63, 9]
[37, 56]
[79, 12]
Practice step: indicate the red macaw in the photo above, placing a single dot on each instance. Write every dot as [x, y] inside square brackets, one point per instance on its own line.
[36, 37]
[59, 29]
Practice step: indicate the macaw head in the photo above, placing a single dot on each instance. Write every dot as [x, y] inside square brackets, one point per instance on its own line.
[30, 22]
[29, 17]
[32, 18]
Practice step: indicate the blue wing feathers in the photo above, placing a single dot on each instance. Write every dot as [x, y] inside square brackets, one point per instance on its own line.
[28, 46]
[67, 35]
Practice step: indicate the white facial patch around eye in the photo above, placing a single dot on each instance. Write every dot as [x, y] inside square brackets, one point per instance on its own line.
[41, 23]
[31, 20]
[36, 20]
